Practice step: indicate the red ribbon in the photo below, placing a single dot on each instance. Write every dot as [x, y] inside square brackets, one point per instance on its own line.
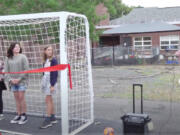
[46, 69]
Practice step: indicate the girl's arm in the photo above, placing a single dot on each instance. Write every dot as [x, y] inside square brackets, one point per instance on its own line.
[54, 74]
[6, 69]
[25, 67]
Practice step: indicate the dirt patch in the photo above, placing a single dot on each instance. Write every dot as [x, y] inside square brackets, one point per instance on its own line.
[159, 82]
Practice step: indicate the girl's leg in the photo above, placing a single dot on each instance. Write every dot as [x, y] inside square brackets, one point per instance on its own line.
[50, 109]
[52, 105]
[47, 122]
[17, 118]
[1, 103]
[49, 105]
[22, 101]
[50, 119]
[18, 106]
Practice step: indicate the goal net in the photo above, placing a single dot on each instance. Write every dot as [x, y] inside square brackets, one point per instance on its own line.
[68, 34]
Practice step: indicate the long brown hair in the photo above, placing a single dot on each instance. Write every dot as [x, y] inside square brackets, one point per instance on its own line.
[10, 49]
[45, 56]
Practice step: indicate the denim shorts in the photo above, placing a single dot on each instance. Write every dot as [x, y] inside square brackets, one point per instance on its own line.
[18, 87]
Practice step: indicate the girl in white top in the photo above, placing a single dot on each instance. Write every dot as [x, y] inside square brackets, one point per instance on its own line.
[49, 86]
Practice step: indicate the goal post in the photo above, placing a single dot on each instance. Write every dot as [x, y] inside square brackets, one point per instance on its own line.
[68, 34]
[64, 86]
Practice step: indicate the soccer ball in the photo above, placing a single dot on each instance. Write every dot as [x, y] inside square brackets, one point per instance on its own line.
[108, 131]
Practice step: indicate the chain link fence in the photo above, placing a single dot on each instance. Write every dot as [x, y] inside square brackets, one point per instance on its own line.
[118, 55]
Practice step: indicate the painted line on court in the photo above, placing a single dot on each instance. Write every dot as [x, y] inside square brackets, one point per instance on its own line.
[14, 133]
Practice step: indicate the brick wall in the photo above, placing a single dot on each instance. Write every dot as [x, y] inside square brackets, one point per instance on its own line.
[101, 10]
[177, 24]
[155, 36]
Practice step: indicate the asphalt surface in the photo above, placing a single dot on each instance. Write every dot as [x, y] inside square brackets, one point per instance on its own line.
[165, 118]
[107, 111]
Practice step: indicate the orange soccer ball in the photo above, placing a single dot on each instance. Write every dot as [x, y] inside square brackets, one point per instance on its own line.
[108, 131]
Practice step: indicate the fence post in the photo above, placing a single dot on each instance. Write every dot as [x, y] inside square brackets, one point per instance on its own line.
[92, 55]
[113, 56]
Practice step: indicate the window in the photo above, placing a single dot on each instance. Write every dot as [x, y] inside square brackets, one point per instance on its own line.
[170, 42]
[142, 42]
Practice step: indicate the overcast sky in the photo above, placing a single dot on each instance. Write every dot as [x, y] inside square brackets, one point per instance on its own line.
[152, 3]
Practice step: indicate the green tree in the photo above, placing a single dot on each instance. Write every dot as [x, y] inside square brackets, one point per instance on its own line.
[87, 7]
[116, 8]
[28, 6]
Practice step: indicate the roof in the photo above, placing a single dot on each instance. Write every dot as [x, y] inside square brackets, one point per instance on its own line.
[142, 28]
[107, 26]
[146, 15]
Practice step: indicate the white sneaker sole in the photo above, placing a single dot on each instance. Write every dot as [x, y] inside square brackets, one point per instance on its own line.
[50, 125]
[54, 122]
[21, 123]
[14, 122]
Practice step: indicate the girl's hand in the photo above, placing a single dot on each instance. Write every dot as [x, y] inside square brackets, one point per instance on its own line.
[12, 81]
[52, 89]
[15, 81]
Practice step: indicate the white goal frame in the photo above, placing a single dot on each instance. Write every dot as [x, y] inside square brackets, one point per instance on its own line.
[64, 83]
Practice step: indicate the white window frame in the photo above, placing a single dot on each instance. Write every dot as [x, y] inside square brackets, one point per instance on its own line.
[169, 39]
[142, 41]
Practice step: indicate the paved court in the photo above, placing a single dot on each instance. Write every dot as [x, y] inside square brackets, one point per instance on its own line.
[165, 114]
[165, 117]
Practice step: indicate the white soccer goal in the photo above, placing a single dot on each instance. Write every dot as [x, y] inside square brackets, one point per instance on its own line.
[68, 33]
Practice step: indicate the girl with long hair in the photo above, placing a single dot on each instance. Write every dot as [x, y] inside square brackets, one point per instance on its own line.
[16, 62]
[49, 86]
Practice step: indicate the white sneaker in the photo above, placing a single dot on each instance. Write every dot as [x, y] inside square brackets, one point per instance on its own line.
[23, 120]
[16, 119]
[1, 116]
